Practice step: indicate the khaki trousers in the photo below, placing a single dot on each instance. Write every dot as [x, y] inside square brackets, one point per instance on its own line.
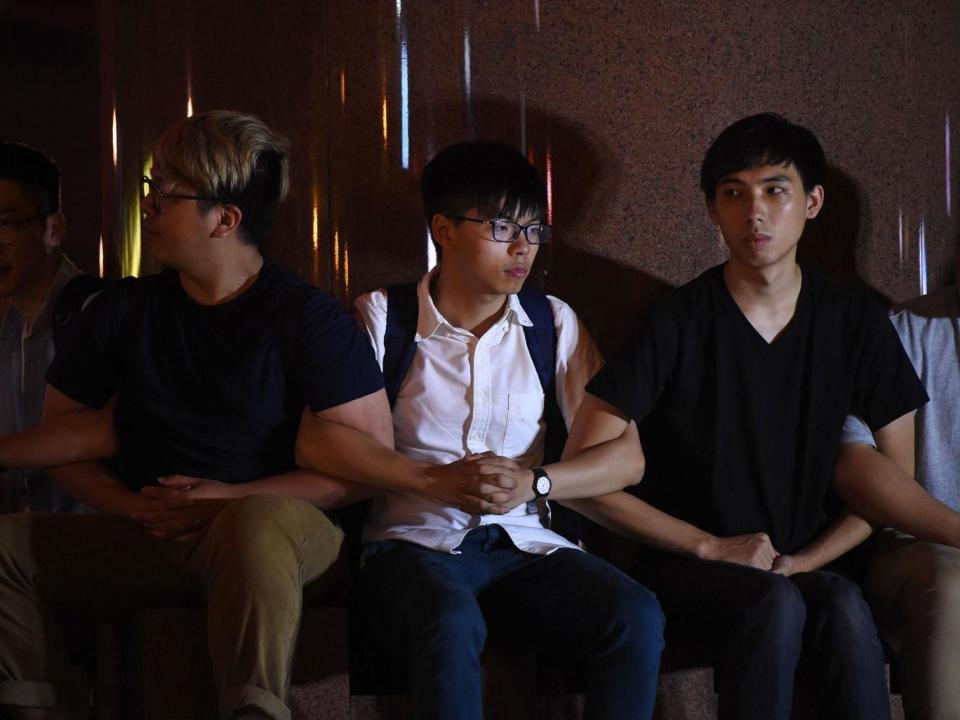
[914, 589]
[250, 567]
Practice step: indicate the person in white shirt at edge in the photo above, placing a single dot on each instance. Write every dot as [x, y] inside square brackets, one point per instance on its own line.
[913, 583]
[460, 543]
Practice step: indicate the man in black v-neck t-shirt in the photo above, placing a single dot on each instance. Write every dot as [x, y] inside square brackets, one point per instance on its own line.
[739, 382]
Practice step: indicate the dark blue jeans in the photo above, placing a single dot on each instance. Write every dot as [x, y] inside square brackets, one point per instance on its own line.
[431, 609]
[759, 623]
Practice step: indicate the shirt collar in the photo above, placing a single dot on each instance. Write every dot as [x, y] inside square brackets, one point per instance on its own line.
[44, 316]
[429, 319]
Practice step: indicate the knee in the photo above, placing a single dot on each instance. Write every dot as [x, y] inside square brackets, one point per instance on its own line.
[779, 611]
[935, 575]
[454, 624]
[637, 612]
[844, 610]
[266, 534]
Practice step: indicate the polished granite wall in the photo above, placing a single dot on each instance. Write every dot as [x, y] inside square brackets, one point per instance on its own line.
[615, 102]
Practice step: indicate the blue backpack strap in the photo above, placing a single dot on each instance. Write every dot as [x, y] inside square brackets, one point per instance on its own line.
[399, 336]
[541, 340]
[542, 345]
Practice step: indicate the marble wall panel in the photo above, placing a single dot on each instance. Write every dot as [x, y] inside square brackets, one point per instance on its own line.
[615, 102]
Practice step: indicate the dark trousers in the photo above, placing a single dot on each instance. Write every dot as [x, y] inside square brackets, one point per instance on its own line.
[759, 623]
[430, 609]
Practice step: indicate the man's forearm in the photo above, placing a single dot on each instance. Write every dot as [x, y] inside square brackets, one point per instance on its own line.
[841, 537]
[879, 489]
[602, 469]
[66, 438]
[637, 520]
[358, 456]
[94, 485]
[321, 490]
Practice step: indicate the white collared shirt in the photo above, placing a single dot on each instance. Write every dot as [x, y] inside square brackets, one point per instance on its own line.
[464, 394]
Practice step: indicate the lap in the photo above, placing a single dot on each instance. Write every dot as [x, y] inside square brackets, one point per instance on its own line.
[92, 563]
[910, 577]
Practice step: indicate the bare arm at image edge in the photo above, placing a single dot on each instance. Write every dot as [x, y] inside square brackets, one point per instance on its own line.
[879, 485]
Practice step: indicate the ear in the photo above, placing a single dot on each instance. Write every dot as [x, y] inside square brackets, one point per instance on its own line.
[712, 210]
[228, 220]
[814, 202]
[56, 229]
[441, 227]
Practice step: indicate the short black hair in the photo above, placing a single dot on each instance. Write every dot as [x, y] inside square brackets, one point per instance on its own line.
[764, 139]
[37, 175]
[494, 178]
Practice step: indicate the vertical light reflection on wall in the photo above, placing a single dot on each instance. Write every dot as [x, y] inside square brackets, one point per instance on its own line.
[100, 263]
[315, 235]
[404, 106]
[404, 100]
[383, 112]
[549, 162]
[114, 137]
[346, 271]
[335, 285]
[189, 92]
[900, 235]
[431, 253]
[467, 82]
[922, 255]
[946, 133]
[132, 217]
[343, 88]
[536, 14]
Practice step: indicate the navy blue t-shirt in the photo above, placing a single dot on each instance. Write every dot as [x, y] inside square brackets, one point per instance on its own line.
[740, 435]
[213, 391]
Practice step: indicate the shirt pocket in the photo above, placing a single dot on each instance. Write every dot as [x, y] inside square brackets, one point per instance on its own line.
[522, 427]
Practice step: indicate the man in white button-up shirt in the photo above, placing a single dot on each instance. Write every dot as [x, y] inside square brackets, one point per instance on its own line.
[464, 536]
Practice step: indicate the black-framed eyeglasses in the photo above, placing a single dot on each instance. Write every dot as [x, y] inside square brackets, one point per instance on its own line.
[150, 187]
[10, 228]
[507, 231]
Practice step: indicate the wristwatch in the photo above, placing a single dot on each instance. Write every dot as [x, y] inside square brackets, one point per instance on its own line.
[542, 484]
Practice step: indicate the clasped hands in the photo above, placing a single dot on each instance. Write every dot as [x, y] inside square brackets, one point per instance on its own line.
[481, 483]
[181, 507]
[753, 550]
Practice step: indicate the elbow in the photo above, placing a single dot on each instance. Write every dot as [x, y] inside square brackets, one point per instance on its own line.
[635, 465]
[636, 474]
[301, 454]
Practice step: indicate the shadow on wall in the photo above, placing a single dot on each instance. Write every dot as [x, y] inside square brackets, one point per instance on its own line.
[582, 175]
[830, 242]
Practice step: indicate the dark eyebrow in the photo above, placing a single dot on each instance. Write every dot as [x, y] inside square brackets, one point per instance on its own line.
[730, 179]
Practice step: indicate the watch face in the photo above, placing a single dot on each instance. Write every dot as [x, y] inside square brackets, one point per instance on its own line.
[543, 485]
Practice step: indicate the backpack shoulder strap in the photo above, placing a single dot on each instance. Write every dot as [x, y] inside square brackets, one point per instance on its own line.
[541, 340]
[542, 345]
[399, 342]
[71, 301]
[541, 336]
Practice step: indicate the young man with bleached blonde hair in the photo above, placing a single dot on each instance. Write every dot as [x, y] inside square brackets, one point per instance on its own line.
[211, 364]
